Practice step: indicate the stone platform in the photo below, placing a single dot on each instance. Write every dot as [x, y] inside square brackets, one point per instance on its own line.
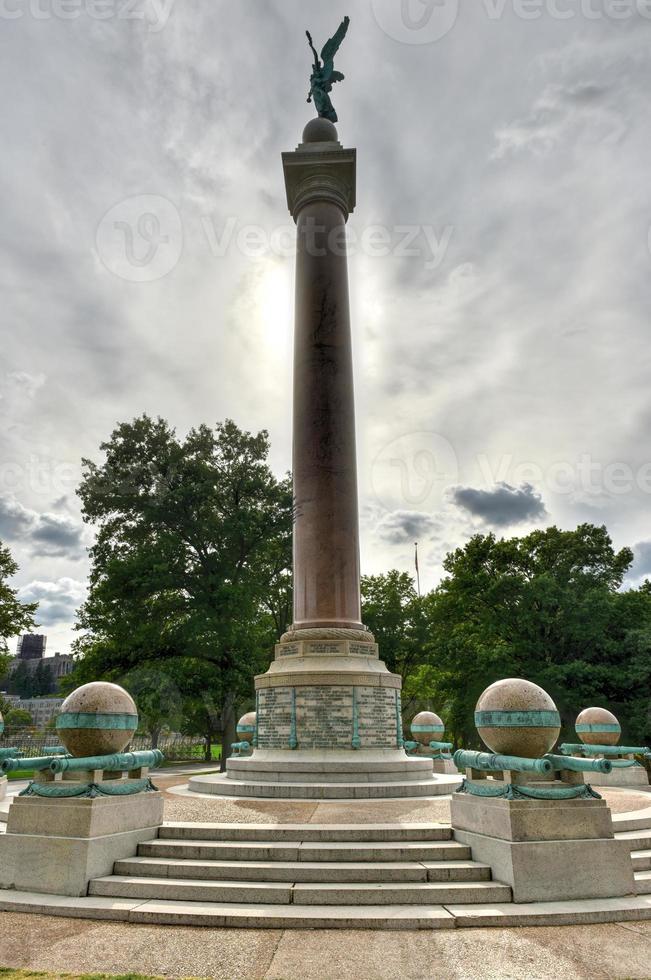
[633, 776]
[358, 870]
[321, 775]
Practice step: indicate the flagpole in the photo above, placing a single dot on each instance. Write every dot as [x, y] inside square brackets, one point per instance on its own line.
[417, 569]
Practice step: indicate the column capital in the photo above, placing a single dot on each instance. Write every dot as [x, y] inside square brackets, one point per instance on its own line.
[322, 171]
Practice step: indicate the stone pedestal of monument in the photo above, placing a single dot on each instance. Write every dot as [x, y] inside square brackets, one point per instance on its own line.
[329, 725]
[56, 846]
[547, 850]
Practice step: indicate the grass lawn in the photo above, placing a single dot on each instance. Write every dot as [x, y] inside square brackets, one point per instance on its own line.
[21, 774]
[7, 973]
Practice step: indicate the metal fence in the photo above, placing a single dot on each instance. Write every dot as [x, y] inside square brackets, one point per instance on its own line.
[175, 748]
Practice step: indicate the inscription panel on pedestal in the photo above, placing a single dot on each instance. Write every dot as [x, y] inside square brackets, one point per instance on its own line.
[274, 717]
[325, 717]
[377, 717]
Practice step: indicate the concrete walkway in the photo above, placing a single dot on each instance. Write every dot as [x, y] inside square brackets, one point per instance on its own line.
[562, 953]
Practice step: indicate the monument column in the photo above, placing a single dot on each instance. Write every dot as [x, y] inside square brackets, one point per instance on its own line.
[320, 182]
[328, 720]
[328, 712]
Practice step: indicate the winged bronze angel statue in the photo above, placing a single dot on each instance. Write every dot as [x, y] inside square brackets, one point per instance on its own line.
[324, 75]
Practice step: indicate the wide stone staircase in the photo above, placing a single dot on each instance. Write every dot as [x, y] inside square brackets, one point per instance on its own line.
[312, 875]
[639, 841]
[369, 876]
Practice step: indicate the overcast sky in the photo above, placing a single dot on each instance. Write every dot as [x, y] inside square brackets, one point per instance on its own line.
[500, 258]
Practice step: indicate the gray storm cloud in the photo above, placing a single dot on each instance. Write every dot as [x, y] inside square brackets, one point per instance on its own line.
[53, 535]
[502, 506]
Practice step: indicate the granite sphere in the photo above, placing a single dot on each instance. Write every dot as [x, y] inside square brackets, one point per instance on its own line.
[246, 727]
[427, 727]
[516, 717]
[320, 130]
[97, 719]
[597, 726]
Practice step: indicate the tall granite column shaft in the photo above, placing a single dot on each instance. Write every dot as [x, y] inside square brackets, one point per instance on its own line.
[327, 708]
[326, 531]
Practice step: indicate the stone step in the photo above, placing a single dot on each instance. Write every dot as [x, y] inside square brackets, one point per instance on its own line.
[305, 871]
[641, 860]
[643, 882]
[366, 833]
[297, 851]
[179, 889]
[357, 766]
[417, 893]
[636, 820]
[246, 892]
[637, 840]
[251, 775]
[628, 909]
[260, 790]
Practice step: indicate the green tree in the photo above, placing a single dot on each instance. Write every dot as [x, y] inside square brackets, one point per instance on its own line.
[191, 557]
[21, 681]
[17, 719]
[15, 616]
[547, 607]
[157, 696]
[43, 680]
[395, 614]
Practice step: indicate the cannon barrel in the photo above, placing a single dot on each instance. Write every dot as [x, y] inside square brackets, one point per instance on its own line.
[572, 764]
[240, 746]
[489, 762]
[121, 762]
[10, 753]
[568, 748]
[440, 745]
[55, 750]
[33, 765]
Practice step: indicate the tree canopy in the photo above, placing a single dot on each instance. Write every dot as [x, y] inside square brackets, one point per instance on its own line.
[190, 568]
[15, 616]
[547, 607]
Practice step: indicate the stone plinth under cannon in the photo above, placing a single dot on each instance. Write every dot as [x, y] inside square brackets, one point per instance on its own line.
[533, 817]
[79, 815]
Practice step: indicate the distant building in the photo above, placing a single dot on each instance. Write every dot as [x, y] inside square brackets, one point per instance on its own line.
[61, 664]
[31, 646]
[42, 710]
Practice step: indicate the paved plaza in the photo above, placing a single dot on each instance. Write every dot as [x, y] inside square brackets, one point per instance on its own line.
[563, 953]
[57, 944]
